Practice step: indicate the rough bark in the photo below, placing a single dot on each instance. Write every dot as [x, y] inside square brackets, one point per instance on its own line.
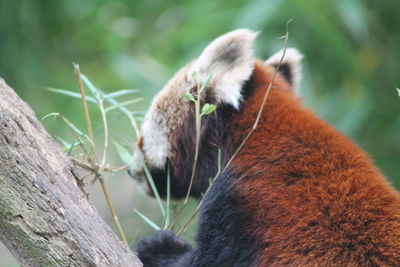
[45, 219]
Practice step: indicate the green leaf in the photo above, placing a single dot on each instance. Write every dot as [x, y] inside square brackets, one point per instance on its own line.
[122, 104]
[153, 187]
[65, 145]
[167, 216]
[73, 145]
[398, 91]
[112, 101]
[53, 114]
[73, 127]
[124, 154]
[121, 93]
[147, 220]
[78, 131]
[71, 94]
[207, 109]
[138, 113]
[95, 91]
[205, 82]
[188, 96]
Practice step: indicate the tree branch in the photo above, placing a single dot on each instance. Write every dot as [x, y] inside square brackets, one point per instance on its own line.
[45, 218]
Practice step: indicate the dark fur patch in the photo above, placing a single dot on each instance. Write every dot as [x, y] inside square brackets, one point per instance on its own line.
[222, 238]
[286, 72]
[230, 53]
[214, 136]
[162, 249]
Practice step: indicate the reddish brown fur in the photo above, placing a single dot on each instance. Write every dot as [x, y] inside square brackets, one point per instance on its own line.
[314, 198]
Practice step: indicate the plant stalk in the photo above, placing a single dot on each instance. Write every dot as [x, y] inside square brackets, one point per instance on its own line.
[198, 133]
[84, 102]
[111, 207]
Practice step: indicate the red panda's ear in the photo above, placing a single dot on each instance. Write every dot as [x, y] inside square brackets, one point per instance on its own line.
[229, 61]
[290, 67]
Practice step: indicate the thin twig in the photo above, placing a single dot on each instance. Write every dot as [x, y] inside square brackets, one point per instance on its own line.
[77, 135]
[92, 162]
[82, 164]
[102, 165]
[84, 102]
[105, 125]
[112, 210]
[115, 169]
[167, 218]
[198, 116]
[196, 153]
[96, 169]
[255, 125]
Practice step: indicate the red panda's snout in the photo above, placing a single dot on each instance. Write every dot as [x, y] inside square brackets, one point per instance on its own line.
[145, 174]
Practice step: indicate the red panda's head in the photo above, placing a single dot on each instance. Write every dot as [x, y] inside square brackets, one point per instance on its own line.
[168, 131]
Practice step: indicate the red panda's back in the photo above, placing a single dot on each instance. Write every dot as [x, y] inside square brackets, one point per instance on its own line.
[312, 197]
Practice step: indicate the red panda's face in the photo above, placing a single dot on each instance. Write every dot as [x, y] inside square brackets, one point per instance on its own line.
[164, 116]
[227, 63]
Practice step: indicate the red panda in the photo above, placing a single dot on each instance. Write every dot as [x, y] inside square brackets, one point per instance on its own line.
[299, 193]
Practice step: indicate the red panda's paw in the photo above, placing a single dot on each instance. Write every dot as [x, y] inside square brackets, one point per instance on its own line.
[161, 249]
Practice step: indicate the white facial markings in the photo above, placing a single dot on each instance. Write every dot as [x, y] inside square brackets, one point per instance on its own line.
[155, 145]
[165, 114]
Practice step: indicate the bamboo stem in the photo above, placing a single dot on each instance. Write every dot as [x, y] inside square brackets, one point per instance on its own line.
[113, 212]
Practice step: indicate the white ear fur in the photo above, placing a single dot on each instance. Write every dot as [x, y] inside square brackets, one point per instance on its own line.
[291, 66]
[229, 61]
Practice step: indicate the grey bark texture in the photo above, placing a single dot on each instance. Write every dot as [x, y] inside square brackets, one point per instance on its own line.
[45, 219]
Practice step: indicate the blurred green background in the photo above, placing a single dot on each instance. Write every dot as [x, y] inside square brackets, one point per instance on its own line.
[351, 65]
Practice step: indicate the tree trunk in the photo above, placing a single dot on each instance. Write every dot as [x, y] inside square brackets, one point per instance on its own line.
[45, 218]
